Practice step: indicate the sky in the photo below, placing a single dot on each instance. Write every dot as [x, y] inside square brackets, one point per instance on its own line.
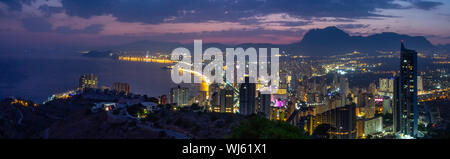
[44, 23]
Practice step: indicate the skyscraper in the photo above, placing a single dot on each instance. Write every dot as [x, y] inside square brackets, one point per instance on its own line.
[179, 96]
[88, 81]
[264, 105]
[344, 87]
[386, 87]
[226, 100]
[342, 119]
[419, 83]
[222, 101]
[335, 80]
[405, 94]
[247, 92]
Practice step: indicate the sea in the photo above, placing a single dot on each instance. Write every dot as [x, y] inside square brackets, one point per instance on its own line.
[38, 76]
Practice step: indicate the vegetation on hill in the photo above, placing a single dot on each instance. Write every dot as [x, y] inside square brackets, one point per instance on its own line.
[255, 127]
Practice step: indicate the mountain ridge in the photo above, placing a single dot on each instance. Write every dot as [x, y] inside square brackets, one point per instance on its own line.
[327, 41]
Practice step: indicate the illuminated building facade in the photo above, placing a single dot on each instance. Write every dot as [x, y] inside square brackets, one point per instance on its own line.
[278, 113]
[342, 120]
[405, 94]
[419, 83]
[386, 87]
[387, 105]
[222, 101]
[162, 99]
[366, 104]
[366, 127]
[215, 102]
[226, 100]
[88, 81]
[179, 96]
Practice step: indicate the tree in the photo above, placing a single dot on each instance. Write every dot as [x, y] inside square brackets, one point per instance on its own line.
[255, 127]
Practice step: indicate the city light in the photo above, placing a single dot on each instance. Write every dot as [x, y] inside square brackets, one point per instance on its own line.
[263, 69]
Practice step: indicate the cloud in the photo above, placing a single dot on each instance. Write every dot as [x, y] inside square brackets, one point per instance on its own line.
[332, 8]
[278, 21]
[352, 26]
[156, 11]
[26, 8]
[39, 24]
[88, 8]
[426, 5]
[225, 36]
[49, 10]
[15, 5]
[92, 29]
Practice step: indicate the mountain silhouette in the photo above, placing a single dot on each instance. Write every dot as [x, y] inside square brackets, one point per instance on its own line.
[333, 41]
[328, 41]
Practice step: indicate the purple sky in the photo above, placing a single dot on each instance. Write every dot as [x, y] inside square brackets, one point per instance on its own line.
[108, 22]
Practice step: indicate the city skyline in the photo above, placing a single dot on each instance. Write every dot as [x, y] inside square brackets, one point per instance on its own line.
[224, 69]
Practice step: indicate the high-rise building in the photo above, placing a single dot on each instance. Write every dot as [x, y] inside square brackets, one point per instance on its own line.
[226, 100]
[335, 80]
[222, 101]
[386, 87]
[203, 93]
[88, 81]
[264, 105]
[373, 89]
[419, 83]
[179, 96]
[342, 120]
[162, 99]
[215, 101]
[121, 87]
[405, 94]
[387, 105]
[301, 93]
[366, 127]
[366, 104]
[247, 92]
[344, 87]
